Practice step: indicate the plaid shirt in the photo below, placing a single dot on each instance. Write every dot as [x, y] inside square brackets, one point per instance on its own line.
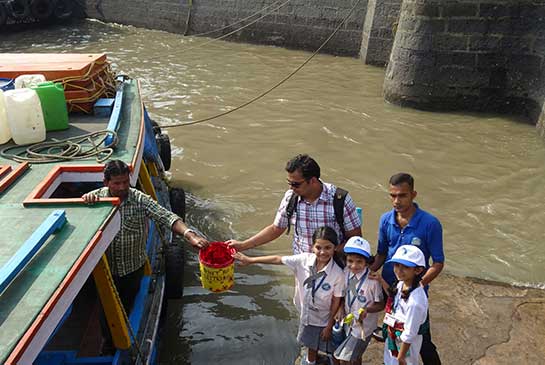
[127, 252]
[310, 216]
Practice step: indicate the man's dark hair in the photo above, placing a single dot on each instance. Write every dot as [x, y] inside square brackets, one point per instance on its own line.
[115, 168]
[306, 164]
[325, 233]
[402, 178]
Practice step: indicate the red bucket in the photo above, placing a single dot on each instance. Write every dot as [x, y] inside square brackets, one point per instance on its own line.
[217, 267]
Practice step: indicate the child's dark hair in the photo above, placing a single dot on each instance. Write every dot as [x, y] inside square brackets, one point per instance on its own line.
[392, 291]
[369, 260]
[325, 233]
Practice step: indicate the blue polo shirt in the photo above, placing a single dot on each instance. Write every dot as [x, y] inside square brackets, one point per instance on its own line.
[424, 231]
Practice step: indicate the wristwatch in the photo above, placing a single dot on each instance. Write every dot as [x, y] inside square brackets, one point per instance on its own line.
[189, 230]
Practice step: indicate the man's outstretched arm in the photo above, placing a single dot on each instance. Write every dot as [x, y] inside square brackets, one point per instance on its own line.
[266, 235]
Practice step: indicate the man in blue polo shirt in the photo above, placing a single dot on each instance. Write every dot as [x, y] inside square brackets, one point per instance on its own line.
[407, 224]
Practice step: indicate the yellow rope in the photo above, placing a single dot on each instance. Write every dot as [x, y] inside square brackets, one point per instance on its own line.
[102, 80]
[87, 73]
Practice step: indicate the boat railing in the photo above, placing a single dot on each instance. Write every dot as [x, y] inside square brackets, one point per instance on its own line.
[113, 123]
[22, 257]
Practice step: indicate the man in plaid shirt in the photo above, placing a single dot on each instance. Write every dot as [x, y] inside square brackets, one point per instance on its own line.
[127, 252]
[314, 210]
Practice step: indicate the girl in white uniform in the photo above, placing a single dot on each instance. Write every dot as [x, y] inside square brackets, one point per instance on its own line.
[321, 286]
[362, 301]
[406, 308]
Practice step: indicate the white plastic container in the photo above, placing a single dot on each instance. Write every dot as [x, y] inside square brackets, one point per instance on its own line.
[28, 80]
[5, 133]
[25, 116]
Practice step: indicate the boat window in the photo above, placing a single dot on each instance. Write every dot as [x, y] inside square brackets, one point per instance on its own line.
[75, 189]
[66, 185]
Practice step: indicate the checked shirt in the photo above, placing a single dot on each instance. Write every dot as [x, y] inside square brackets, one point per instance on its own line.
[127, 252]
[310, 216]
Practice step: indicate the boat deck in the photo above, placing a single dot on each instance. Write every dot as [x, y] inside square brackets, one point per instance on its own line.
[44, 282]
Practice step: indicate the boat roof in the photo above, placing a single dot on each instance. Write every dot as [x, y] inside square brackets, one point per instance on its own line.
[34, 301]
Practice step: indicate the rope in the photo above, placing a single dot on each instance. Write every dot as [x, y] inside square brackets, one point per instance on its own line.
[69, 149]
[227, 34]
[237, 22]
[274, 86]
[102, 83]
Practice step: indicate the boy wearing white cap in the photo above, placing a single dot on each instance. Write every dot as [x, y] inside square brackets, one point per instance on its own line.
[406, 308]
[363, 301]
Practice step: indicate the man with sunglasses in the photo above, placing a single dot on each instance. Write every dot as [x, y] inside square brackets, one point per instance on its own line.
[314, 209]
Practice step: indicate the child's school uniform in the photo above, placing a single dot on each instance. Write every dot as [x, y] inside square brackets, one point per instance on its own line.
[316, 291]
[409, 315]
[366, 292]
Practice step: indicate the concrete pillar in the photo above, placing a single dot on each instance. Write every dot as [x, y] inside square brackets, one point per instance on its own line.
[467, 55]
[379, 29]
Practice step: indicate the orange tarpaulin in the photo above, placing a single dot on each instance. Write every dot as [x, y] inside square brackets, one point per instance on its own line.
[84, 77]
[52, 65]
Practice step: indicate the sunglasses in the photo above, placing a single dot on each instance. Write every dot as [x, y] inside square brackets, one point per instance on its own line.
[295, 184]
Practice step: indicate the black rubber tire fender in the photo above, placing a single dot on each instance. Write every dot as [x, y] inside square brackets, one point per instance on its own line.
[156, 127]
[41, 9]
[3, 14]
[18, 9]
[163, 144]
[63, 9]
[177, 202]
[174, 270]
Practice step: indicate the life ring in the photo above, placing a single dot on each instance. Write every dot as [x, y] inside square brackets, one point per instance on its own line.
[41, 9]
[3, 14]
[63, 9]
[163, 144]
[18, 9]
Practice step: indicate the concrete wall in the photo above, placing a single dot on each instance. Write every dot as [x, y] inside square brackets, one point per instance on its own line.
[379, 29]
[469, 55]
[480, 55]
[301, 24]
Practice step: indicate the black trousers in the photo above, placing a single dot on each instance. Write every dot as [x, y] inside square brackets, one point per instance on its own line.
[128, 286]
[428, 352]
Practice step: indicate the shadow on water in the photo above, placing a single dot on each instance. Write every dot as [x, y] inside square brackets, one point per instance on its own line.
[255, 317]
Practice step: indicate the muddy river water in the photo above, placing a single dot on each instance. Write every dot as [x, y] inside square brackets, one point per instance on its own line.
[482, 175]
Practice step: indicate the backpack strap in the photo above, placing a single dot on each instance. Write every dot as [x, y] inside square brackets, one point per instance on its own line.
[291, 209]
[338, 207]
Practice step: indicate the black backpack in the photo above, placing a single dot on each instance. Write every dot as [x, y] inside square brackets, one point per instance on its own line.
[338, 207]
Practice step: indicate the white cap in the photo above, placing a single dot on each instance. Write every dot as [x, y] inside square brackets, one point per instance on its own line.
[409, 255]
[357, 244]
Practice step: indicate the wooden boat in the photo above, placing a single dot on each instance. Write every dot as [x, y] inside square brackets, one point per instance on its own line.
[55, 284]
